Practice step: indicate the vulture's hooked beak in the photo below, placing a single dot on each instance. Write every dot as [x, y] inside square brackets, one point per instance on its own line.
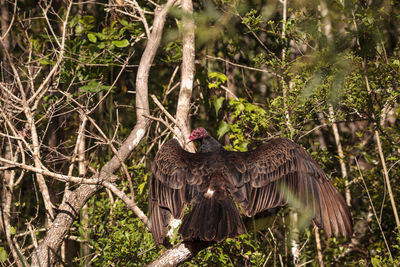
[189, 140]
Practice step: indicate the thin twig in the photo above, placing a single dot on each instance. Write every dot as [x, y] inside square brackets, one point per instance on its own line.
[373, 209]
[163, 109]
[112, 85]
[165, 123]
[11, 22]
[244, 66]
[142, 17]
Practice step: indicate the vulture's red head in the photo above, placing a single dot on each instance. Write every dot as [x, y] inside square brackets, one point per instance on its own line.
[198, 133]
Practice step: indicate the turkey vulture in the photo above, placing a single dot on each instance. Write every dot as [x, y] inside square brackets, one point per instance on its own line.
[213, 179]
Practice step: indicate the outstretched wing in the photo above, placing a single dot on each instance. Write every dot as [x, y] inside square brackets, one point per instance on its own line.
[281, 171]
[177, 176]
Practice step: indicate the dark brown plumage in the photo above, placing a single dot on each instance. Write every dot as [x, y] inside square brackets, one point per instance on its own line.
[257, 180]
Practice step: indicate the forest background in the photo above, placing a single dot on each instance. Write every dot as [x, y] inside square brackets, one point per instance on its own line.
[90, 90]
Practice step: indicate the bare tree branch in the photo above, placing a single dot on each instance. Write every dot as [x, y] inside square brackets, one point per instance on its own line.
[93, 181]
[180, 253]
[163, 109]
[187, 73]
[74, 200]
[43, 86]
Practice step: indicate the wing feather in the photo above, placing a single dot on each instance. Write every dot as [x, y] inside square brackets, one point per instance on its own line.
[281, 172]
[174, 183]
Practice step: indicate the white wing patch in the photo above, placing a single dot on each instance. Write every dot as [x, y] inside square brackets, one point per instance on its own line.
[209, 193]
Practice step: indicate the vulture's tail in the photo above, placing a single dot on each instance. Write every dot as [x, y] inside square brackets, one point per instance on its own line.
[159, 219]
[213, 217]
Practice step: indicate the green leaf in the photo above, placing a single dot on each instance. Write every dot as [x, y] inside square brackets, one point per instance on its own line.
[101, 36]
[223, 128]
[141, 187]
[92, 37]
[219, 76]
[121, 44]
[101, 45]
[124, 22]
[94, 87]
[12, 230]
[3, 255]
[212, 85]
[79, 29]
[375, 261]
[45, 61]
[243, 146]
[216, 79]
[218, 101]
[371, 159]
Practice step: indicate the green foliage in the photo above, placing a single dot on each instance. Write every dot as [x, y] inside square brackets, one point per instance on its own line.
[116, 234]
[216, 79]
[248, 122]
[3, 255]
[13, 231]
[173, 52]
[245, 250]
[90, 53]
[385, 259]
[218, 102]
[252, 20]
[120, 238]
[93, 87]
[113, 35]
[222, 129]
